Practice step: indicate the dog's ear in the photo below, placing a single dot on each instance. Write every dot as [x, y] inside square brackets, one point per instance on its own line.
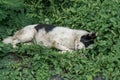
[88, 39]
[89, 36]
[92, 35]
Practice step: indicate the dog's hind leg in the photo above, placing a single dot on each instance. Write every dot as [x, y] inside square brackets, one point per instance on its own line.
[11, 40]
[22, 36]
[25, 35]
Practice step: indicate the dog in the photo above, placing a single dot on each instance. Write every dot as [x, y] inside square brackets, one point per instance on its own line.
[61, 38]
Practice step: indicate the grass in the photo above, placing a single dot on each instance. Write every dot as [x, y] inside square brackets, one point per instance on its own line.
[36, 62]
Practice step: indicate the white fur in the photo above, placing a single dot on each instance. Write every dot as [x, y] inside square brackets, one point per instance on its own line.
[62, 38]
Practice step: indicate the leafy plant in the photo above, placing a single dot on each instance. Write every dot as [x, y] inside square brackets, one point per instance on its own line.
[36, 62]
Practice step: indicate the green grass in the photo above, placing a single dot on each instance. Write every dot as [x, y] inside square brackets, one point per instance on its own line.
[35, 62]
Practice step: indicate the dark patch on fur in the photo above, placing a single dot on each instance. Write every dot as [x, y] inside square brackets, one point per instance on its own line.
[88, 39]
[47, 27]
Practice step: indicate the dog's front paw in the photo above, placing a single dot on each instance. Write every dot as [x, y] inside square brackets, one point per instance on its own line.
[70, 51]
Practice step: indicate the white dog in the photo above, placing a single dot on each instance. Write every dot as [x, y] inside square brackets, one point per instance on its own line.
[62, 38]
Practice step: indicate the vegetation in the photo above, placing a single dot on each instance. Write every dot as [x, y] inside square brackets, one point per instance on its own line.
[36, 62]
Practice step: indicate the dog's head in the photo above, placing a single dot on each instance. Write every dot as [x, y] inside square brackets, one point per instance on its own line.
[85, 40]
